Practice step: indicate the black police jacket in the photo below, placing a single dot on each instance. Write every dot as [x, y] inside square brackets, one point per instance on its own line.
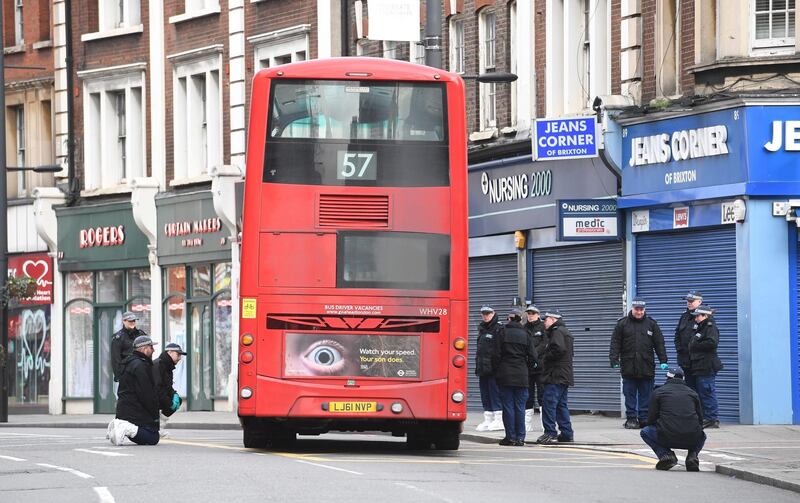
[676, 412]
[137, 400]
[515, 355]
[683, 334]
[535, 331]
[557, 356]
[632, 346]
[122, 347]
[484, 350]
[163, 367]
[703, 349]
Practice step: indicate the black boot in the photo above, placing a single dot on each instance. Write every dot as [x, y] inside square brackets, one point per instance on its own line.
[692, 463]
[631, 424]
[667, 461]
[711, 423]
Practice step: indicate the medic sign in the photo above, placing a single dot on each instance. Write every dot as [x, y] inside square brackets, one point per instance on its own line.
[588, 220]
[570, 138]
[38, 267]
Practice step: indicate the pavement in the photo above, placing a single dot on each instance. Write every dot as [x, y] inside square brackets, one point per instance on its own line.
[764, 454]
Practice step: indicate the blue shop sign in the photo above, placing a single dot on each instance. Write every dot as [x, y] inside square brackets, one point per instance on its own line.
[588, 220]
[568, 138]
[746, 150]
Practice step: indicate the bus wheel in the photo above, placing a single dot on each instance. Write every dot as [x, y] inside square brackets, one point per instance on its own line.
[448, 440]
[417, 441]
[253, 439]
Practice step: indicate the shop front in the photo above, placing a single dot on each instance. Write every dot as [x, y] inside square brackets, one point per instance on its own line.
[29, 335]
[700, 192]
[194, 252]
[102, 255]
[583, 279]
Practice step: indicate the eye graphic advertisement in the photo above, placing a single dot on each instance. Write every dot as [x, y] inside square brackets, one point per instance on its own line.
[349, 355]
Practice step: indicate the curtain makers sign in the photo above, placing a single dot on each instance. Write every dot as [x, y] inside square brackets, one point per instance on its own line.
[188, 225]
[588, 220]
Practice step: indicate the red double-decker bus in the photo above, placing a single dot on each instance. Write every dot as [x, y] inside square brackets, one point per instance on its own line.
[354, 253]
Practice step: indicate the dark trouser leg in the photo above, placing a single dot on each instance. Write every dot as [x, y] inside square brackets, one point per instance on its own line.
[507, 400]
[629, 389]
[690, 379]
[531, 400]
[699, 447]
[551, 394]
[146, 436]
[562, 413]
[486, 399]
[520, 398]
[707, 389]
[645, 389]
[650, 436]
[539, 389]
[494, 394]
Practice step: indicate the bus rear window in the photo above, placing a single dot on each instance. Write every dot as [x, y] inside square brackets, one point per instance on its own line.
[352, 110]
[393, 260]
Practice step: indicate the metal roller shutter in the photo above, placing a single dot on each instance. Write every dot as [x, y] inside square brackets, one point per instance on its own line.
[492, 281]
[667, 266]
[797, 349]
[585, 284]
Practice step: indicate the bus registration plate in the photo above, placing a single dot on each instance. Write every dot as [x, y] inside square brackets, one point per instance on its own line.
[352, 407]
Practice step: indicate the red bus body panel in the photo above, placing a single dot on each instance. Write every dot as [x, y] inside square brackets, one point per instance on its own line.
[301, 292]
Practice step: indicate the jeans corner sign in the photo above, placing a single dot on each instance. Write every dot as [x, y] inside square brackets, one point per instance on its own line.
[565, 138]
[588, 220]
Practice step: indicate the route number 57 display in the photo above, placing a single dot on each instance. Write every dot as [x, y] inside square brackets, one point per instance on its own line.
[356, 165]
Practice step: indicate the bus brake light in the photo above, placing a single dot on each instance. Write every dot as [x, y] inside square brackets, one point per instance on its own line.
[247, 357]
[459, 361]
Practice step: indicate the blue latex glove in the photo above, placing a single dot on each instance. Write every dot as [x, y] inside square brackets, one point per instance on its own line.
[176, 402]
[664, 366]
[614, 365]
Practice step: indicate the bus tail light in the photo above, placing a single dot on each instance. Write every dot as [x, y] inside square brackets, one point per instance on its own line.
[459, 361]
[246, 393]
[458, 396]
[247, 339]
[247, 357]
[459, 344]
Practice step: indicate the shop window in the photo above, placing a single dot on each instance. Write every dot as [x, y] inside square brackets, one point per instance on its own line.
[457, 58]
[78, 348]
[773, 26]
[29, 354]
[79, 286]
[222, 338]
[201, 281]
[175, 331]
[222, 276]
[110, 286]
[176, 279]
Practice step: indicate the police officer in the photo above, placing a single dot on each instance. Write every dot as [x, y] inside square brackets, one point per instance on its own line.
[684, 332]
[705, 363]
[122, 342]
[515, 358]
[535, 329]
[635, 338]
[557, 377]
[488, 329]
[675, 422]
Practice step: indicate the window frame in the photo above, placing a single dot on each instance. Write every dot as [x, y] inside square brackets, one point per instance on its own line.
[118, 15]
[488, 92]
[19, 131]
[772, 45]
[291, 41]
[457, 49]
[19, 23]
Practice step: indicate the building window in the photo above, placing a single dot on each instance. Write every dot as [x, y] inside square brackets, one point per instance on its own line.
[201, 5]
[774, 26]
[18, 24]
[667, 46]
[512, 22]
[19, 121]
[488, 92]
[115, 14]
[113, 129]
[389, 48]
[280, 47]
[197, 117]
[457, 46]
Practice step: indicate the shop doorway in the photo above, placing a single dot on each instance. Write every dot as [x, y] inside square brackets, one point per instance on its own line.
[107, 321]
[200, 357]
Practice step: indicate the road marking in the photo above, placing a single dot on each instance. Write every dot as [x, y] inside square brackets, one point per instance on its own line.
[423, 491]
[328, 467]
[724, 456]
[104, 453]
[11, 458]
[104, 494]
[39, 435]
[68, 470]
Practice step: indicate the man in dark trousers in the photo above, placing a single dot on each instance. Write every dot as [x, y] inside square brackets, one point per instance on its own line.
[122, 341]
[635, 338]
[535, 329]
[137, 402]
[557, 377]
[684, 332]
[168, 399]
[705, 363]
[675, 421]
[515, 357]
[488, 329]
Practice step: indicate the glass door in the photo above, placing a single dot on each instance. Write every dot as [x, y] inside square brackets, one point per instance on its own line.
[200, 347]
[108, 321]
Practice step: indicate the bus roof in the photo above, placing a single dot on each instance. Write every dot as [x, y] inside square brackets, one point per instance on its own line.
[358, 68]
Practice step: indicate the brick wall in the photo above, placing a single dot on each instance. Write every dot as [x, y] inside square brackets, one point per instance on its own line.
[648, 50]
[540, 58]
[36, 28]
[103, 53]
[687, 48]
[615, 46]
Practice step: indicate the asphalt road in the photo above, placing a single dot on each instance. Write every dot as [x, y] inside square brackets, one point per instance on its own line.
[80, 465]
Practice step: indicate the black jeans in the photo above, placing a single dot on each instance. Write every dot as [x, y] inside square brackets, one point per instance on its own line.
[535, 391]
[146, 436]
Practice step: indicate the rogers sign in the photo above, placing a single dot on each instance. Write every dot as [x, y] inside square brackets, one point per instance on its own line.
[102, 236]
